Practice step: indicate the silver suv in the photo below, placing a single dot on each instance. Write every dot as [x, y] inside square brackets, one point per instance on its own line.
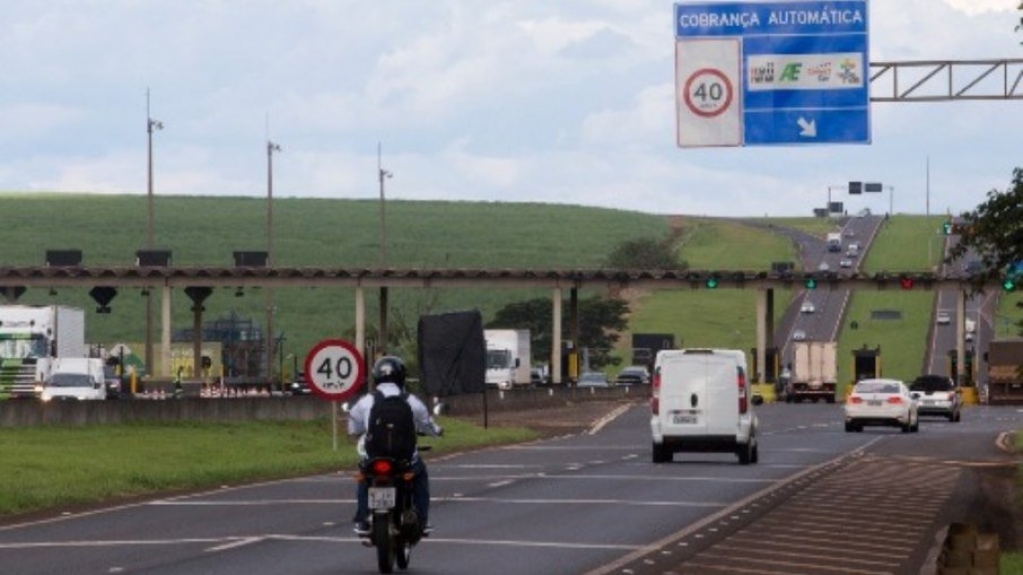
[937, 395]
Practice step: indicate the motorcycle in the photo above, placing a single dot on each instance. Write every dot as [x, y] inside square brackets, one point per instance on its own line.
[395, 527]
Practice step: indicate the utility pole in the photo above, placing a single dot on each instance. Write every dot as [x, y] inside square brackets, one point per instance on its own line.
[151, 125]
[269, 338]
[382, 175]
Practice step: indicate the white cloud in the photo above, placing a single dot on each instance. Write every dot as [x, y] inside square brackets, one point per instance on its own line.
[499, 101]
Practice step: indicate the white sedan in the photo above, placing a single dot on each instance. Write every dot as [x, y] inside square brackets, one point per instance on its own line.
[881, 402]
[807, 307]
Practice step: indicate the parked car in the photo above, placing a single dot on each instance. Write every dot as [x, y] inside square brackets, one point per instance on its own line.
[798, 335]
[944, 318]
[632, 375]
[701, 401]
[937, 395]
[299, 386]
[881, 402]
[112, 381]
[592, 379]
[536, 376]
[807, 307]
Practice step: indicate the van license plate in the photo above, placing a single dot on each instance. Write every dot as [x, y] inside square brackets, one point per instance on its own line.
[683, 419]
[381, 497]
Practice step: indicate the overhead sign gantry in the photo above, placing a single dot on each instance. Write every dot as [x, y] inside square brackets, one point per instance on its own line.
[770, 73]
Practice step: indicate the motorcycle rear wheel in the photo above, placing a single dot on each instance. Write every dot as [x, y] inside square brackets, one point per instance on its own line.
[403, 554]
[384, 543]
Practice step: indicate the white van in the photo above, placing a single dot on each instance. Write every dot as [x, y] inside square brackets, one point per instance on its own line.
[702, 402]
[80, 378]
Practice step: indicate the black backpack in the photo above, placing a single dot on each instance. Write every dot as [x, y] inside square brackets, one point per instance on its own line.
[392, 427]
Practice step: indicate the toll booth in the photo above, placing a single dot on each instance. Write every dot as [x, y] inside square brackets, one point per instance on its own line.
[953, 367]
[866, 362]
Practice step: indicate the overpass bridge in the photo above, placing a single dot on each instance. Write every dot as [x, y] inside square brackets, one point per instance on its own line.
[199, 282]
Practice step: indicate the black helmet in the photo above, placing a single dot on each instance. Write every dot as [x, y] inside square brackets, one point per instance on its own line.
[389, 369]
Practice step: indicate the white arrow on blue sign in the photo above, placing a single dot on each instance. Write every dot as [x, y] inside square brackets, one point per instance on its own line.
[803, 68]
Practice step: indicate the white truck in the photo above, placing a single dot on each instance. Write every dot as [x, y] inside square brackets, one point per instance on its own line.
[971, 329]
[31, 337]
[74, 378]
[508, 358]
[814, 372]
[834, 241]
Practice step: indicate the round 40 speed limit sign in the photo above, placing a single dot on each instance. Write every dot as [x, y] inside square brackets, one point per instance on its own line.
[335, 370]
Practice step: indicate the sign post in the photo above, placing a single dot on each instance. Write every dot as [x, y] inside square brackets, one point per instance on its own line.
[770, 73]
[335, 371]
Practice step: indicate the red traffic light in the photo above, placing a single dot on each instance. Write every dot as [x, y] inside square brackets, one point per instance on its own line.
[906, 283]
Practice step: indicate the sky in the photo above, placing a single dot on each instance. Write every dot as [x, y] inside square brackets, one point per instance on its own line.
[569, 102]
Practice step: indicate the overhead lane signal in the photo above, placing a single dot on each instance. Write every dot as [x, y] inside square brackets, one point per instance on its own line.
[810, 282]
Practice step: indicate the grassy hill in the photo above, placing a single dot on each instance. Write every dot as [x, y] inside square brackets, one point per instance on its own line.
[309, 232]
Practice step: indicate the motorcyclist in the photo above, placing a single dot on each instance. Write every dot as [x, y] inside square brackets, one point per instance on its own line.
[389, 380]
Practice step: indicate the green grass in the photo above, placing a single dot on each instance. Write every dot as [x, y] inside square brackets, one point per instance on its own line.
[1011, 564]
[204, 231]
[54, 467]
[815, 226]
[907, 243]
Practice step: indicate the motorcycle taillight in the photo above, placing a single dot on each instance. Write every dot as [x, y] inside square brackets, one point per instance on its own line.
[382, 467]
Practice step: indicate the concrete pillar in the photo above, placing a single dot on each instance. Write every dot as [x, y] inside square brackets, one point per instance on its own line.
[761, 335]
[556, 336]
[165, 332]
[961, 336]
[360, 321]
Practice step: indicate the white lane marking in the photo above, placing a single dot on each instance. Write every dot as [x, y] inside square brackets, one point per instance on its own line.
[234, 544]
[500, 483]
[595, 429]
[580, 502]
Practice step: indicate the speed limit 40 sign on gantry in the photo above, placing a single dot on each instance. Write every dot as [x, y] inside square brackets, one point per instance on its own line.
[708, 107]
[335, 369]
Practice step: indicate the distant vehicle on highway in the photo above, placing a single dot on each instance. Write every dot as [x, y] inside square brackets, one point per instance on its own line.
[824, 267]
[845, 263]
[807, 307]
[634, 374]
[881, 402]
[798, 335]
[592, 379]
[943, 318]
[937, 395]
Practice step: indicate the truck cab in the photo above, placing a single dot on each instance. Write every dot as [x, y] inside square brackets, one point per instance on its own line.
[75, 378]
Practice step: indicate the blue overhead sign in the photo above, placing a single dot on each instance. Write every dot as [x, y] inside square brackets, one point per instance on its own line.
[768, 73]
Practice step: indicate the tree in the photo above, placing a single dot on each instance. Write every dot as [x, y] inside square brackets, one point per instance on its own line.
[600, 322]
[994, 230]
[646, 253]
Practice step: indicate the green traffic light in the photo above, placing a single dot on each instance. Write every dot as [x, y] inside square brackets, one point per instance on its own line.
[1009, 285]
[712, 283]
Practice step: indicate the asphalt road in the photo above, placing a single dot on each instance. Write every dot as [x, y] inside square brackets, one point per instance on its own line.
[584, 503]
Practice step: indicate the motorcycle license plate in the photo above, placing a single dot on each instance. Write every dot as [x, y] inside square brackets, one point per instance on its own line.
[381, 497]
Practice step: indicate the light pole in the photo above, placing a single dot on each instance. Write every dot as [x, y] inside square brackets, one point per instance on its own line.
[270, 149]
[891, 200]
[151, 125]
[382, 175]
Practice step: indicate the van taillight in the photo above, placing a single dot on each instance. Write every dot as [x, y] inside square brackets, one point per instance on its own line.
[740, 378]
[655, 393]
